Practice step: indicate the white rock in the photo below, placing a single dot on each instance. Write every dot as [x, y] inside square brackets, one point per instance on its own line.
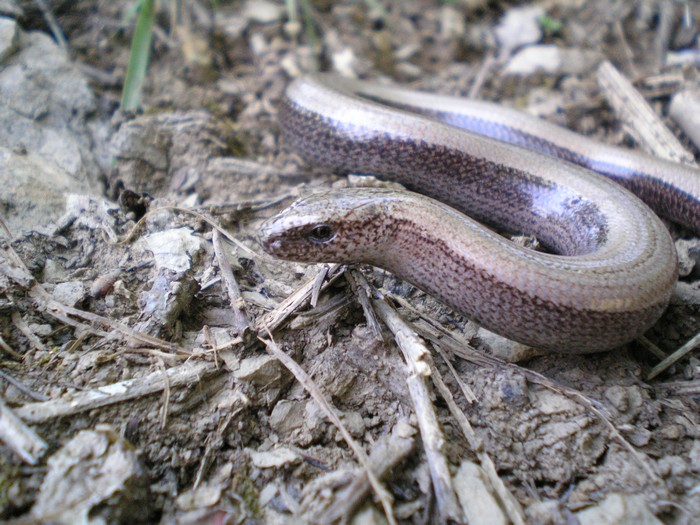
[476, 497]
[69, 293]
[274, 458]
[344, 62]
[368, 515]
[519, 27]
[619, 509]
[174, 249]
[36, 188]
[262, 11]
[451, 22]
[552, 59]
[535, 59]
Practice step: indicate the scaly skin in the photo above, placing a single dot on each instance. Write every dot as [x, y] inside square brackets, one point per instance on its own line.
[616, 265]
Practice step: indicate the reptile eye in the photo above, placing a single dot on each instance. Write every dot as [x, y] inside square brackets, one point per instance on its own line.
[321, 233]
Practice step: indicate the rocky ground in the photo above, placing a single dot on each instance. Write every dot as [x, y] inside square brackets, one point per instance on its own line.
[156, 366]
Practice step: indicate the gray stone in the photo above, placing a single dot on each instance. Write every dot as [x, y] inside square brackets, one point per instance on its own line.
[619, 509]
[48, 149]
[260, 370]
[287, 416]
[354, 423]
[142, 139]
[9, 37]
[685, 293]
[41, 79]
[688, 251]
[31, 190]
[54, 272]
[545, 511]
[69, 293]
[10, 8]
[98, 474]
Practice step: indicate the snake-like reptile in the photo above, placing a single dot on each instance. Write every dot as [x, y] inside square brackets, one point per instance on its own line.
[613, 263]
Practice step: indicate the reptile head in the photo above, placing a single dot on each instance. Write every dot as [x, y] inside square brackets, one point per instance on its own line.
[344, 226]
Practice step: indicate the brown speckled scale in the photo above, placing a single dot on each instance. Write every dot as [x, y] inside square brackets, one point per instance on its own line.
[616, 263]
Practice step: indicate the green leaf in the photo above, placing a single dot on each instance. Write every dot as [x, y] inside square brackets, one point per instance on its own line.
[140, 53]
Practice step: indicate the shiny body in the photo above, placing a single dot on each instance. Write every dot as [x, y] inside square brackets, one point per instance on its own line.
[616, 263]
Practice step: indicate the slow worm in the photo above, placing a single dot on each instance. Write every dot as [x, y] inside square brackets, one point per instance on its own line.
[613, 263]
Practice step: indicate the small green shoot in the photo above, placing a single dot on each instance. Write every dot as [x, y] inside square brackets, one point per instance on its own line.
[140, 53]
[550, 25]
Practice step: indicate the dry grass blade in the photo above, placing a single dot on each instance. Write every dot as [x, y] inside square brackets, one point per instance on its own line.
[200, 216]
[46, 303]
[55, 309]
[360, 287]
[50, 19]
[23, 388]
[651, 347]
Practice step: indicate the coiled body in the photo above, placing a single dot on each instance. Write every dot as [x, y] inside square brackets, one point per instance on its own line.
[614, 264]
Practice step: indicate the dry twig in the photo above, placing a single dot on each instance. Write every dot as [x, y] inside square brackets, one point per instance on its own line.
[9, 350]
[276, 318]
[639, 118]
[386, 453]
[510, 504]
[508, 501]
[417, 358]
[134, 388]
[117, 392]
[240, 320]
[34, 341]
[300, 374]
[680, 388]
[358, 284]
[22, 388]
[19, 437]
